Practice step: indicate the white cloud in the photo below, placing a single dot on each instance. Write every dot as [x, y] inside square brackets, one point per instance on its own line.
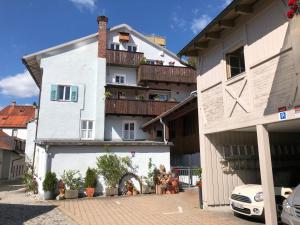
[199, 23]
[20, 85]
[177, 22]
[89, 4]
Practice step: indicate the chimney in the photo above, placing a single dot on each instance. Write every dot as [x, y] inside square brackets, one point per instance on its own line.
[102, 35]
[13, 103]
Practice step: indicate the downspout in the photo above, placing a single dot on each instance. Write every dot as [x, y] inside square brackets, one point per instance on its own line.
[164, 127]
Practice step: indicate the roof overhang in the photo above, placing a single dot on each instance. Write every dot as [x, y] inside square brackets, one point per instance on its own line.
[225, 20]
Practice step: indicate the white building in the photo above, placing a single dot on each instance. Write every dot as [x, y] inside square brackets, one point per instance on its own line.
[96, 92]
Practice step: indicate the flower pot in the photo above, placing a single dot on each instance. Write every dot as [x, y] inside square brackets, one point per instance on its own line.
[111, 191]
[129, 193]
[90, 192]
[295, 40]
[71, 194]
[48, 195]
[135, 193]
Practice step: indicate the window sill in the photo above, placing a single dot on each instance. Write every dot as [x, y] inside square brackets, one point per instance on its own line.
[236, 78]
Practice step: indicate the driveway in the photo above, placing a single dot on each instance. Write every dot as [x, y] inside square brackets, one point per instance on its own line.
[146, 210]
[18, 208]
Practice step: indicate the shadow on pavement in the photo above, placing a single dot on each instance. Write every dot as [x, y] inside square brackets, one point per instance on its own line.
[17, 214]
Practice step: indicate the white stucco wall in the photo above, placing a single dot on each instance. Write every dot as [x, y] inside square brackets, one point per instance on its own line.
[29, 148]
[21, 133]
[68, 158]
[150, 50]
[130, 74]
[114, 124]
[81, 67]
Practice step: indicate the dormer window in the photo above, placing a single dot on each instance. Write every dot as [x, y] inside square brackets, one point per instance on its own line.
[115, 46]
[123, 37]
[131, 48]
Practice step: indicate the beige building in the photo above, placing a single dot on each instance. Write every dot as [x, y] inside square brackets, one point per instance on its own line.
[248, 91]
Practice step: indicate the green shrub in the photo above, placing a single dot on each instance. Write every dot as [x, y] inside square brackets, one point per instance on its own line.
[72, 179]
[49, 184]
[112, 168]
[90, 179]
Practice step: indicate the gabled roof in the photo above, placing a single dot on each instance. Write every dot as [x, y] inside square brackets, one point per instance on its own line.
[16, 116]
[32, 61]
[225, 20]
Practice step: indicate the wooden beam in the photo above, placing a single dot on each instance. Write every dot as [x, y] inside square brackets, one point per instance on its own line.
[213, 35]
[226, 24]
[201, 45]
[244, 9]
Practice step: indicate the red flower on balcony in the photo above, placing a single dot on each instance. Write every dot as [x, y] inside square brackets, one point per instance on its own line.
[294, 8]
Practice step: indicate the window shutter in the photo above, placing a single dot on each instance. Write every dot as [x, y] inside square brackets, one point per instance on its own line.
[74, 93]
[53, 95]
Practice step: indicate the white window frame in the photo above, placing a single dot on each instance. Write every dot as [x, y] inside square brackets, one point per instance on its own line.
[87, 129]
[115, 44]
[119, 75]
[123, 130]
[64, 94]
[132, 45]
[14, 132]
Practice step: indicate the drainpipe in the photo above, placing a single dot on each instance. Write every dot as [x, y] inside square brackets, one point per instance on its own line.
[164, 127]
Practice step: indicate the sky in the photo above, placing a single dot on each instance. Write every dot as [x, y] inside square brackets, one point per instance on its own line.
[28, 26]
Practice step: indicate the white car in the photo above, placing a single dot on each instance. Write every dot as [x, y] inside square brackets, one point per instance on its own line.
[248, 199]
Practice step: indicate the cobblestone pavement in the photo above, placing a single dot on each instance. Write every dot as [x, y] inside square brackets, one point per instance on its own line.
[146, 210]
[18, 208]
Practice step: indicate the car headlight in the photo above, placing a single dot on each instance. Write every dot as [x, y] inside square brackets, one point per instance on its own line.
[259, 197]
[287, 208]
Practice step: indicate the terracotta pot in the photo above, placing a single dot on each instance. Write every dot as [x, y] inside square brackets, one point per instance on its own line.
[90, 192]
[168, 192]
[129, 193]
[295, 40]
[71, 194]
[134, 193]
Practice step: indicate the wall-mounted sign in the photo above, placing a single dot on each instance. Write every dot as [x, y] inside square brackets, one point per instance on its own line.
[282, 115]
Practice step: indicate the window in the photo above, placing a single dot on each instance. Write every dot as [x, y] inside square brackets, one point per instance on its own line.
[131, 48]
[159, 133]
[159, 96]
[64, 93]
[235, 62]
[87, 127]
[128, 131]
[14, 132]
[120, 79]
[115, 46]
[121, 95]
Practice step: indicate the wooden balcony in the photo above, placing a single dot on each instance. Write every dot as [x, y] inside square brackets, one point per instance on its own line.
[123, 58]
[137, 107]
[167, 74]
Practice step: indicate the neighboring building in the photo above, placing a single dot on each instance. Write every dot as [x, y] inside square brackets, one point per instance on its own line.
[11, 157]
[248, 100]
[96, 93]
[14, 119]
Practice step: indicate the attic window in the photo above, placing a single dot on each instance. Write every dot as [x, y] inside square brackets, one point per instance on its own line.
[123, 36]
[235, 62]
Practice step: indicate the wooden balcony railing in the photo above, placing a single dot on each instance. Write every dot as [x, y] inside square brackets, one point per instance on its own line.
[170, 74]
[123, 58]
[137, 107]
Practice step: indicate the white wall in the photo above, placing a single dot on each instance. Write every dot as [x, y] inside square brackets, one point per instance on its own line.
[67, 158]
[150, 50]
[29, 148]
[113, 127]
[81, 67]
[130, 74]
[21, 133]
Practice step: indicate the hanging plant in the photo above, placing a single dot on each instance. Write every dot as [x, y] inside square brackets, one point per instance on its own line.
[294, 8]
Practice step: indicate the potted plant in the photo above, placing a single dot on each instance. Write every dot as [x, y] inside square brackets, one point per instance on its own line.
[72, 181]
[49, 185]
[90, 182]
[150, 179]
[112, 168]
[107, 95]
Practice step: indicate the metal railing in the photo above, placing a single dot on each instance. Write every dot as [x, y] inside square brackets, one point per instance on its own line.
[188, 176]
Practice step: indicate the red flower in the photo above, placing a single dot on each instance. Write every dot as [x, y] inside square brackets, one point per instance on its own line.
[291, 13]
[295, 7]
[292, 2]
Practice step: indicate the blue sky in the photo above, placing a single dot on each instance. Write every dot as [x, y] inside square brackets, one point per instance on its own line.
[28, 26]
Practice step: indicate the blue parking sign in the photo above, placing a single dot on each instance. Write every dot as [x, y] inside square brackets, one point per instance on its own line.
[282, 116]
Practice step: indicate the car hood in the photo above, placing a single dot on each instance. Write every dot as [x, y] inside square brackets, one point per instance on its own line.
[247, 190]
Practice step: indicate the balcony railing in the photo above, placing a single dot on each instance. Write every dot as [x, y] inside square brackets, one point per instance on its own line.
[137, 107]
[170, 74]
[123, 58]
